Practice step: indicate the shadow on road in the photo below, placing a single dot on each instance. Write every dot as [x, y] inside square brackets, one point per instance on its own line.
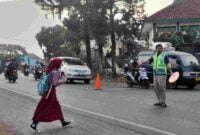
[52, 131]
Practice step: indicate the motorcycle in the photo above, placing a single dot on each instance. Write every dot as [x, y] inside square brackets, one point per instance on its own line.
[12, 76]
[139, 78]
[26, 72]
[38, 73]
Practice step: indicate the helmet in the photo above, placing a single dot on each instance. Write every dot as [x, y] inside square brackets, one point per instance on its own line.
[126, 65]
[13, 59]
[131, 61]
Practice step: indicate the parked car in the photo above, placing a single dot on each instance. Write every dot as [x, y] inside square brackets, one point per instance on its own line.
[74, 69]
[186, 64]
[197, 55]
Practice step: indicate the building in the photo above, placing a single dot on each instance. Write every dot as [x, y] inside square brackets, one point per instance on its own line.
[30, 59]
[3, 50]
[180, 16]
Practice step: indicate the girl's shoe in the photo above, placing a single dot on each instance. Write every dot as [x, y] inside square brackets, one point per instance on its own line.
[158, 104]
[163, 105]
[34, 126]
[65, 123]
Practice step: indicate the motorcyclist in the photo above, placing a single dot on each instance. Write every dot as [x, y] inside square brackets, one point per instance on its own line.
[38, 66]
[26, 66]
[134, 68]
[6, 73]
[43, 66]
[12, 65]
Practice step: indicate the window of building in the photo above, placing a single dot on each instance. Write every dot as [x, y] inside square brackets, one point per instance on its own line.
[190, 27]
[190, 33]
[166, 29]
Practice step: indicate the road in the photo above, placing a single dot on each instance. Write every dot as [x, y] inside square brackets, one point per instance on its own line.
[17, 110]
[130, 110]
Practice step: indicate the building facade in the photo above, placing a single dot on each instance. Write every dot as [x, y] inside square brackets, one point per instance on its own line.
[181, 16]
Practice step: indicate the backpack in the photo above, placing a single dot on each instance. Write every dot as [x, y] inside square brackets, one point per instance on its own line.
[43, 84]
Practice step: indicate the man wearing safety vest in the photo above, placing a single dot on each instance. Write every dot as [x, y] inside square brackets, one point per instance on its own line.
[160, 65]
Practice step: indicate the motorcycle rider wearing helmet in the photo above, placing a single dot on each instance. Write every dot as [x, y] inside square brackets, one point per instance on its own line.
[26, 66]
[12, 66]
[37, 65]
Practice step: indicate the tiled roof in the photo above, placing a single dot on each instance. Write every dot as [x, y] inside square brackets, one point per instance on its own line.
[186, 9]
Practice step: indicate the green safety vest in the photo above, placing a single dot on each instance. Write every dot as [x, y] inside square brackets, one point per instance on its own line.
[159, 66]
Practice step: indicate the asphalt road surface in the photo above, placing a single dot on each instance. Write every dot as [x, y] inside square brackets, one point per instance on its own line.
[17, 110]
[129, 110]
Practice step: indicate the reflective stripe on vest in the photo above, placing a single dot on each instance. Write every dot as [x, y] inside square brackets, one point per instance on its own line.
[159, 65]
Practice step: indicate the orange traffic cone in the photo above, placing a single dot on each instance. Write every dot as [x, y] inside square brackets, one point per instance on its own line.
[98, 83]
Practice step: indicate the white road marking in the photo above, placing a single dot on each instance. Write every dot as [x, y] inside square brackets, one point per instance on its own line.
[97, 114]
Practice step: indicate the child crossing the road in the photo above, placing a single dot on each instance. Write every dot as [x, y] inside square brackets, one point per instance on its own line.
[48, 108]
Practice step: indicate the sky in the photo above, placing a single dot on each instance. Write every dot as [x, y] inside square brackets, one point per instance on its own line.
[21, 20]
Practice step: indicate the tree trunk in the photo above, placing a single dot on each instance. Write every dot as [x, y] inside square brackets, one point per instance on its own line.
[88, 48]
[77, 50]
[100, 56]
[113, 54]
[113, 47]
[87, 37]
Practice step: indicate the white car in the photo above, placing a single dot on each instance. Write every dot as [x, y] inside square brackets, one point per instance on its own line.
[74, 69]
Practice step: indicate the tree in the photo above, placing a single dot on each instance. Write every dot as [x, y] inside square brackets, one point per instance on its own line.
[99, 29]
[96, 19]
[129, 25]
[51, 40]
[74, 33]
[79, 7]
[177, 40]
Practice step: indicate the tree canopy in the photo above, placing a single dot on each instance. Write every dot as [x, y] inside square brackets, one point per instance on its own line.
[98, 20]
[51, 39]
